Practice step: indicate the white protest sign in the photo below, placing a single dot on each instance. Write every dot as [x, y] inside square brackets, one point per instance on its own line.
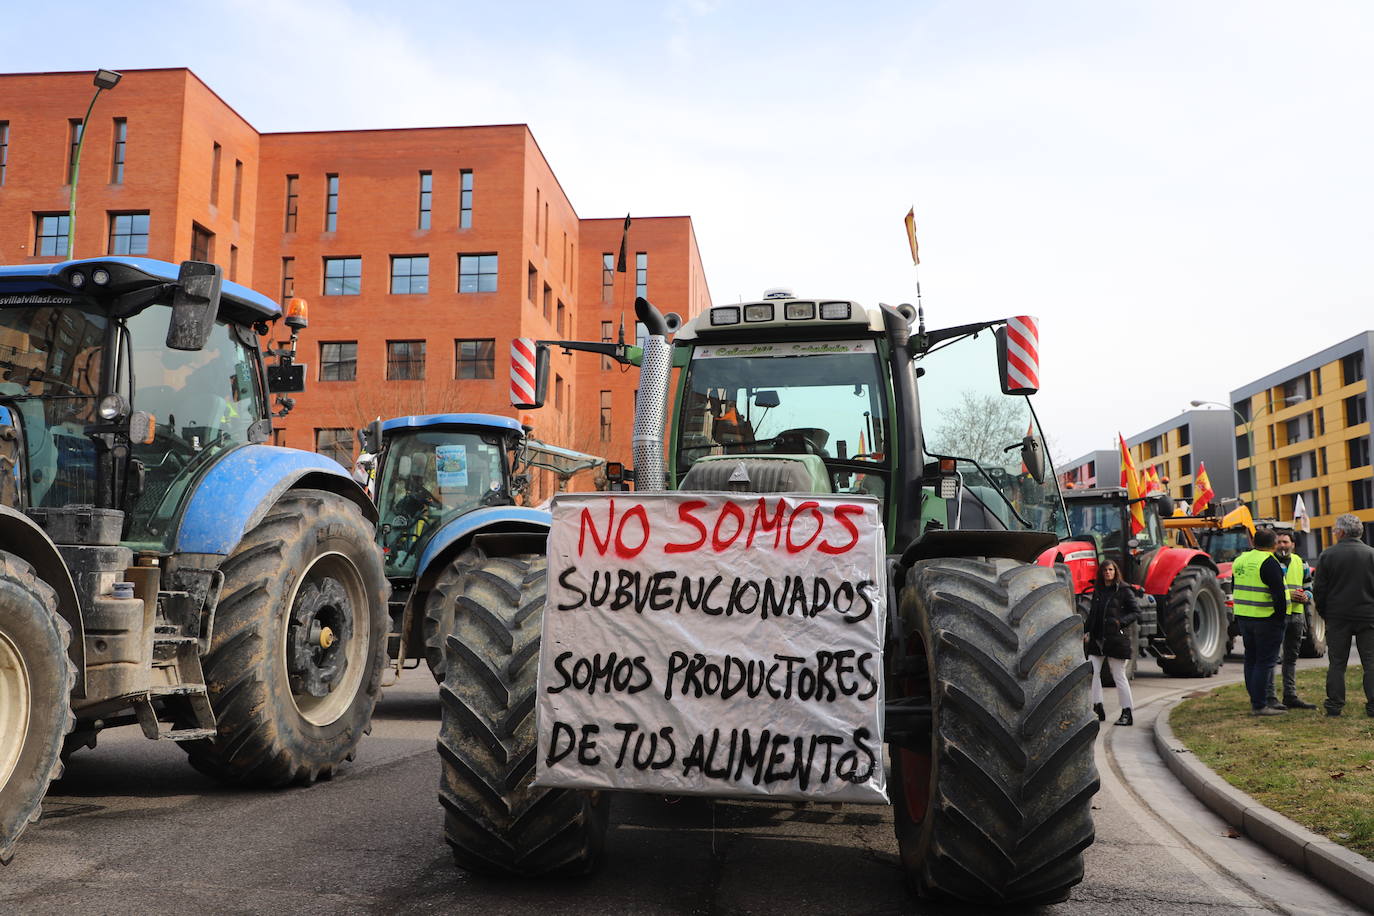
[714, 644]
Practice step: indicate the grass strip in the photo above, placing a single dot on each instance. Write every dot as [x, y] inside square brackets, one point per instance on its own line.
[1312, 768]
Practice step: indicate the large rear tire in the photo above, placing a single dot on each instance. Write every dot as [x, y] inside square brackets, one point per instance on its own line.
[440, 609]
[994, 808]
[496, 822]
[1314, 636]
[1194, 623]
[299, 644]
[36, 678]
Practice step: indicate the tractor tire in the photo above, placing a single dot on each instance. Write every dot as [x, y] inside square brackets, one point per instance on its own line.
[1193, 620]
[496, 822]
[1314, 636]
[441, 606]
[36, 679]
[994, 807]
[296, 656]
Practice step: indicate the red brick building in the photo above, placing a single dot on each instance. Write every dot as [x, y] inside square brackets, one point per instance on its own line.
[422, 252]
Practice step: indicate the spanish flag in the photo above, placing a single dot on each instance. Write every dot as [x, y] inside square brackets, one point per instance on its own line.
[1202, 489]
[1152, 481]
[911, 236]
[1135, 491]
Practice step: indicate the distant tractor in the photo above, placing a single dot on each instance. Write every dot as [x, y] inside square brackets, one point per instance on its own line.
[446, 488]
[160, 563]
[1188, 632]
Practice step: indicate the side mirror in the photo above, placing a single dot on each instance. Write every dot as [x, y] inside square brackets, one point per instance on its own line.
[1033, 457]
[1018, 355]
[195, 303]
[1165, 504]
[370, 437]
[766, 398]
[288, 378]
[529, 373]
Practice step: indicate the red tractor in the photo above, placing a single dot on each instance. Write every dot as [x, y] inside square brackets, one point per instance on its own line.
[1185, 624]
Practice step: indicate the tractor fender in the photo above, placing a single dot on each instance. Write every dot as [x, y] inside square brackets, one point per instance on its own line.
[457, 534]
[238, 491]
[1079, 556]
[1166, 564]
[22, 537]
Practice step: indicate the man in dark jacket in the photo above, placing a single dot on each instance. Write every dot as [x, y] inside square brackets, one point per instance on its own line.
[1261, 606]
[1344, 589]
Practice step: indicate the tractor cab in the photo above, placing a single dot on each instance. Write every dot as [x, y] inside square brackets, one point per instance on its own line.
[1100, 519]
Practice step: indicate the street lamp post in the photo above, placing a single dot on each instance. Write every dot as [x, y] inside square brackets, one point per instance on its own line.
[104, 79]
[1249, 438]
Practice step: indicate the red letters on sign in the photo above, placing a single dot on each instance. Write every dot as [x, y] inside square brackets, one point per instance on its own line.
[732, 510]
[684, 512]
[842, 514]
[586, 523]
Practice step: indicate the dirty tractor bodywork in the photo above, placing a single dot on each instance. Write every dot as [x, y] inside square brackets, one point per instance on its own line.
[1187, 616]
[986, 686]
[446, 488]
[160, 563]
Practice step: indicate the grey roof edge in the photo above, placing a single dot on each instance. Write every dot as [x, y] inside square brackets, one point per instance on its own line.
[1361, 341]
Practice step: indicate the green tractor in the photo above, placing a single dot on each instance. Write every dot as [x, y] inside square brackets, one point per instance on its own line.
[986, 689]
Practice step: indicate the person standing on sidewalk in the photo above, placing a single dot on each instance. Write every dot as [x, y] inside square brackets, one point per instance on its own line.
[1107, 634]
[1344, 589]
[1295, 574]
[1261, 609]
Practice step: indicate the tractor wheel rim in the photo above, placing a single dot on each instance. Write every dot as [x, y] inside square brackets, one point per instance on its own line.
[1318, 627]
[15, 700]
[1207, 628]
[346, 620]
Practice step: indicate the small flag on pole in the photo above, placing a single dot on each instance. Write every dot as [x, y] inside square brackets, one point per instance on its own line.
[1202, 489]
[624, 241]
[1301, 520]
[1130, 479]
[911, 236]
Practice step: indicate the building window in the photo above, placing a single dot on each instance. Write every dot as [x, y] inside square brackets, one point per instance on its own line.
[1299, 429]
[233, 262]
[1302, 467]
[465, 200]
[476, 273]
[1298, 389]
[546, 226]
[74, 130]
[202, 243]
[128, 233]
[558, 392]
[4, 149]
[1352, 368]
[1356, 410]
[215, 157]
[426, 198]
[293, 199]
[562, 314]
[121, 138]
[339, 361]
[343, 276]
[331, 203]
[288, 279]
[605, 416]
[1243, 476]
[607, 278]
[1362, 494]
[336, 443]
[50, 234]
[534, 285]
[1185, 465]
[1185, 435]
[409, 274]
[1358, 450]
[474, 358]
[642, 274]
[405, 360]
[238, 188]
[607, 329]
[548, 302]
[1243, 408]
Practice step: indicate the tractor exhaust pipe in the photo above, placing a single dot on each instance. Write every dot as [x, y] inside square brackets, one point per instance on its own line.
[651, 402]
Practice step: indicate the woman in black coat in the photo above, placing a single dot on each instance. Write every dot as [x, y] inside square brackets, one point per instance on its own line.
[1106, 634]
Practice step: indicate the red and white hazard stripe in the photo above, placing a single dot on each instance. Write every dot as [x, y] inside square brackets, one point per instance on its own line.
[522, 393]
[1023, 355]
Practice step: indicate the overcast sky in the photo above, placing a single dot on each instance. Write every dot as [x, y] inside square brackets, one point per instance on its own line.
[1180, 192]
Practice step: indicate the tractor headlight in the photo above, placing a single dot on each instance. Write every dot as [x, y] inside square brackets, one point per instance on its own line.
[77, 279]
[835, 311]
[112, 407]
[758, 313]
[728, 314]
[799, 311]
[100, 276]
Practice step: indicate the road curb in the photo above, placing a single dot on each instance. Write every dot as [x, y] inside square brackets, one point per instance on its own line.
[1345, 872]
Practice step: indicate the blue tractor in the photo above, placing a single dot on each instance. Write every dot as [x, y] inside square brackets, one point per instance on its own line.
[161, 564]
[450, 529]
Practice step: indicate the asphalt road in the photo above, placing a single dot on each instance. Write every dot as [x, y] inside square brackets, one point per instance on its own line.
[131, 828]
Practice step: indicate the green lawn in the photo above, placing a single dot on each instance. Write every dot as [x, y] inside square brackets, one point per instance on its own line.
[1319, 771]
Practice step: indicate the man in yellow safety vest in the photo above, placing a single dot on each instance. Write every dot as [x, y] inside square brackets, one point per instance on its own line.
[1261, 608]
[1295, 575]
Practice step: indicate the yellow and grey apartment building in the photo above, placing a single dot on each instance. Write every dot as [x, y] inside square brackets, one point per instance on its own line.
[1303, 431]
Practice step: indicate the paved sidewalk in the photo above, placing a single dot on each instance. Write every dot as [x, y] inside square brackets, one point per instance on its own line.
[1340, 869]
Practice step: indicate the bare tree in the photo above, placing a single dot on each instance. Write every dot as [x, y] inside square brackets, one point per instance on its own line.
[980, 427]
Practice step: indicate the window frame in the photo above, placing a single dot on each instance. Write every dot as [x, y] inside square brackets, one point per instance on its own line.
[293, 203]
[118, 149]
[114, 217]
[465, 191]
[410, 278]
[396, 363]
[343, 276]
[479, 274]
[344, 367]
[59, 237]
[484, 365]
[426, 199]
